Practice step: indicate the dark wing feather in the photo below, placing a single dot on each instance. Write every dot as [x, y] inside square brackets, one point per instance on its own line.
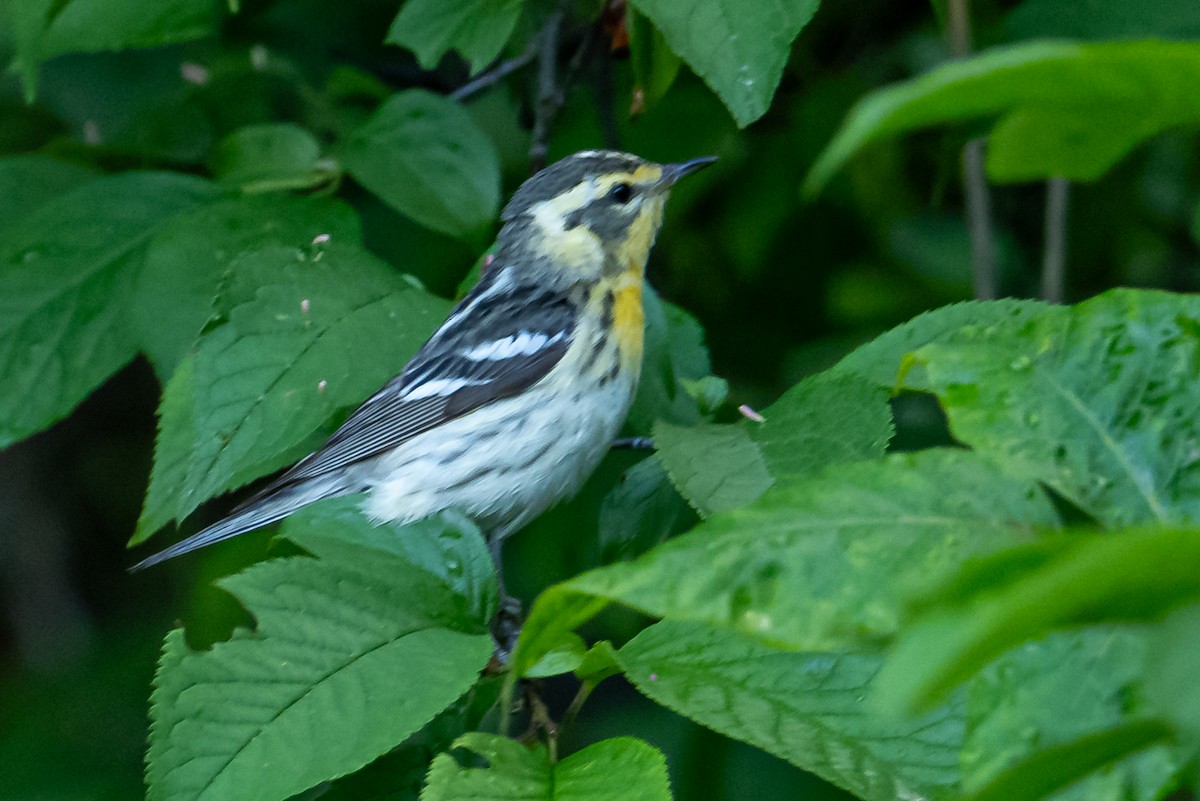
[392, 416]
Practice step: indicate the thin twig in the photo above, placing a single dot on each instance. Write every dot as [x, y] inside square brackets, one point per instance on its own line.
[979, 213]
[547, 103]
[633, 443]
[1054, 250]
[979, 220]
[495, 74]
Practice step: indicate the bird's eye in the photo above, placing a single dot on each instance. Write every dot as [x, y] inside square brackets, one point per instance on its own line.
[621, 193]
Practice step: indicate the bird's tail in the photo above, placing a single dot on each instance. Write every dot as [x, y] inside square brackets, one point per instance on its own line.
[259, 511]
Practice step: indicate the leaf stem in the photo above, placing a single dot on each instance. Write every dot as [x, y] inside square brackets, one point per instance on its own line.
[979, 213]
[1054, 252]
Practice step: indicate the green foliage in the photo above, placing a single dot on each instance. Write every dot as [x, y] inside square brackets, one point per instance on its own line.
[259, 158]
[1097, 401]
[294, 341]
[804, 707]
[43, 29]
[61, 336]
[738, 48]
[1064, 109]
[426, 158]
[1011, 617]
[477, 29]
[401, 632]
[189, 259]
[620, 769]
[1050, 584]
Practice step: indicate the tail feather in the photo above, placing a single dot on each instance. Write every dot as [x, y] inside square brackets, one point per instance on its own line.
[259, 512]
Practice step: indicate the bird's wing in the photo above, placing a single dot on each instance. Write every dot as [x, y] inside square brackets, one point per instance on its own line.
[496, 343]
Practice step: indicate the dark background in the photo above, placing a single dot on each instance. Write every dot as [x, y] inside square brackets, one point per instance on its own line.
[783, 287]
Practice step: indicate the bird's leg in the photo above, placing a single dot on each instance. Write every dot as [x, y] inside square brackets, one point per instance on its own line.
[634, 443]
[506, 625]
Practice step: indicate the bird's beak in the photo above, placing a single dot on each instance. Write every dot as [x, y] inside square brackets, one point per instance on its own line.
[673, 172]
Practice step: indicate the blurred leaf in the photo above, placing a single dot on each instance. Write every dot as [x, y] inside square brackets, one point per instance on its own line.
[261, 158]
[618, 769]
[26, 182]
[655, 65]
[1062, 766]
[674, 353]
[189, 257]
[1098, 401]
[882, 361]
[1053, 711]
[1172, 665]
[1070, 110]
[826, 419]
[425, 157]
[807, 708]
[401, 632]
[738, 47]
[1130, 575]
[639, 512]
[565, 658]
[816, 562]
[66, 278]
[477, 29]
[1103, 19]
[43, 29]
[298, 339]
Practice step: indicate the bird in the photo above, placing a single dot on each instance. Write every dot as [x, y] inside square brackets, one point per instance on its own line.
[512, 402]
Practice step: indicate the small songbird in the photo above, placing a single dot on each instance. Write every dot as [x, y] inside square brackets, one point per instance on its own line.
[514, 400]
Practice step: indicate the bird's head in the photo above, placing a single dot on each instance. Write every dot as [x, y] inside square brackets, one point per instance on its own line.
[592, 214]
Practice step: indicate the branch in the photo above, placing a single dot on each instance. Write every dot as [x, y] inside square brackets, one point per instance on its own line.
[979, 212]
[548, 95]
[1054, 249]
[979, 220]
[494, 75]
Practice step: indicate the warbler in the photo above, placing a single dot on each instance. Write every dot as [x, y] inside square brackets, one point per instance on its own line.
[513, 401]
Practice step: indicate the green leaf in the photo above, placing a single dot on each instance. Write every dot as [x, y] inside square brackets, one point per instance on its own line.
[807, 708]
[674, 353]
[738, 47]
[66, 281]
[618, 769]
[715, 467]
[1061, 109]
[1062, 766]
[298, 340]
[190, 255]
[172, 451]
[814, 563]
[43, 29]
[354, 650]
[1132, 575]
[1048, 714]
[477, 29]
[272, 156]
[826, 419]
[1098, 401]
[641, 511]
[1172, 664]
[883, 362]
[425, 157]
[655, 65]
[28, 181]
